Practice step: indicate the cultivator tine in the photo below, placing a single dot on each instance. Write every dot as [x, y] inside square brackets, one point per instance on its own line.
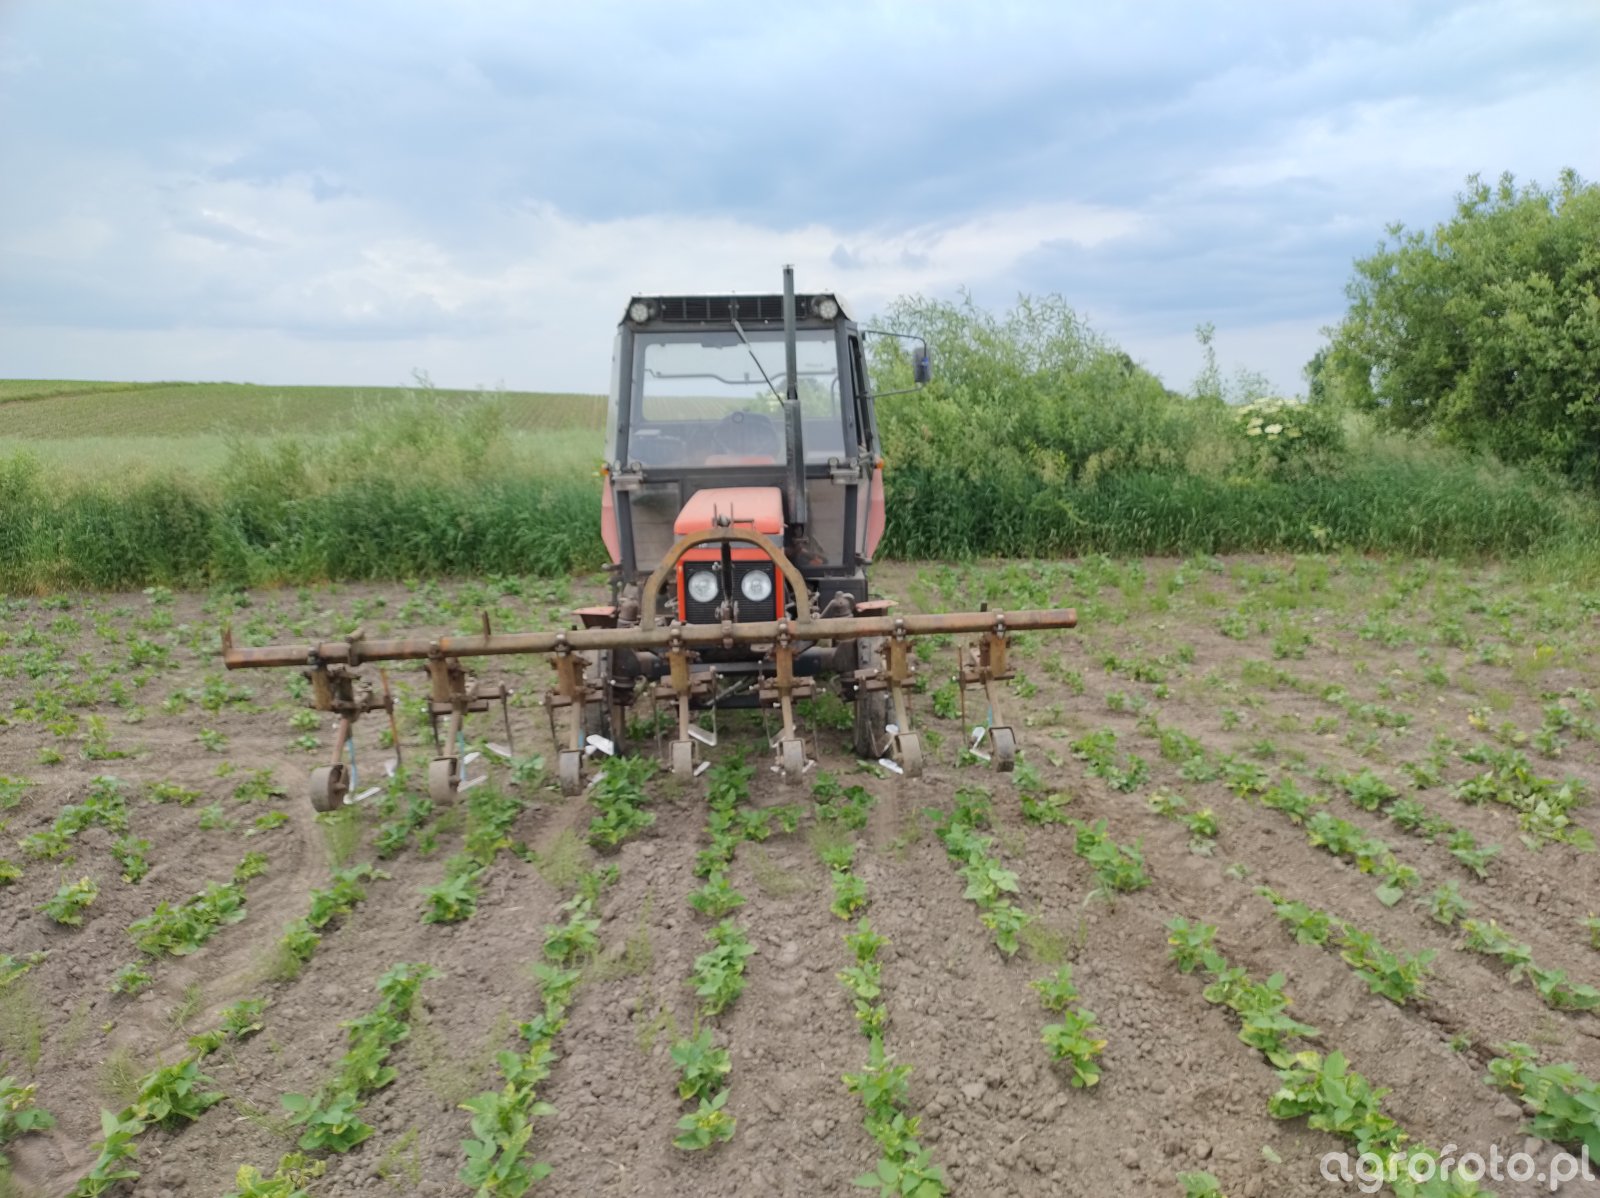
[682, 685]
[984, 663]
[338, 689]
[572, 691]
[781, 691]
[394, 726]
[452, 697]
[898, 671]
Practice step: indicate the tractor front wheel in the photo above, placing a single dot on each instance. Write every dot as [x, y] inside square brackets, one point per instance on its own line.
[609, 717]
[872, 707]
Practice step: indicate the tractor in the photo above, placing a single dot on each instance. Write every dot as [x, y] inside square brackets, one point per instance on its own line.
[742, 503]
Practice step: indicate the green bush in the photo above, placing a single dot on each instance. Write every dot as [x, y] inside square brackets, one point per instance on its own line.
[1485, 329]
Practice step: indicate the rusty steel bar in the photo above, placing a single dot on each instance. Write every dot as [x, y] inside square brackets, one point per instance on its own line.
[356, 650]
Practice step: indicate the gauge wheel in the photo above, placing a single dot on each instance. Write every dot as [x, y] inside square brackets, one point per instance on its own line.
[683, 759]
[329, 784]
[444, 779]
[569, 769]
[1004, 747]
[792, 759]
[911, 754]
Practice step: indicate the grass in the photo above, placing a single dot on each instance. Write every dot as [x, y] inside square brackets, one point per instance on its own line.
[341, 835]
[21, 1024]
[454, 1072]
[119, 1078]
[186, 1008]
[564, 862]
[121, 486]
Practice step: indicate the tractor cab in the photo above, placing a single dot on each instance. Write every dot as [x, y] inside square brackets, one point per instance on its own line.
[724, 414]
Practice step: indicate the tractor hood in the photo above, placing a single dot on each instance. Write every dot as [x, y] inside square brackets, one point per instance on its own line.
[760, 508]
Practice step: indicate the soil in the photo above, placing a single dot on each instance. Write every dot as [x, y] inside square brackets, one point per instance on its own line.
[1179, 1091]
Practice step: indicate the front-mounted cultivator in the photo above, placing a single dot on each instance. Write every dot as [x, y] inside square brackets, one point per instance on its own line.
[741, 508]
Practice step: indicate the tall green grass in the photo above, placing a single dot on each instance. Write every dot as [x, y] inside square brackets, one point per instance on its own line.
[1036, 440]
[434, 484]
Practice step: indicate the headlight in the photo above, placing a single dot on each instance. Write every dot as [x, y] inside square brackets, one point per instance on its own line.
[639, 311]
[826, 308]
[703, 586]
[756, 586]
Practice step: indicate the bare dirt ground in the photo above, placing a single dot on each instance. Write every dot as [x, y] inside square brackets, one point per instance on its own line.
[1310, 670]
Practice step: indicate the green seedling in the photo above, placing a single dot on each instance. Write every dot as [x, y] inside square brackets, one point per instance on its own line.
[70, 901]
[849, 894]
[575, 940]
[1072, 1041]
[130, 979]
[708, 1125]
[701, 1067]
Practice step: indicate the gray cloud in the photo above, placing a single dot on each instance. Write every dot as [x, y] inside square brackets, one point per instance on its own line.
[393, 172]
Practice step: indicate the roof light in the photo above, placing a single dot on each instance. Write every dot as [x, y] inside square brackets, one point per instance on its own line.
[638, 311]
[825, 307]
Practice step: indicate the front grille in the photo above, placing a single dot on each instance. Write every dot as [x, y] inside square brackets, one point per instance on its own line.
[766, 610]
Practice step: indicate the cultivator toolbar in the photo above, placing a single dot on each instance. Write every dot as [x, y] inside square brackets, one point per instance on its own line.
[599, 672]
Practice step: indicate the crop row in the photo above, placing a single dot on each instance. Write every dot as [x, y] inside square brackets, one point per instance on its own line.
[904, 1167]
[1323, 1089]
[718, 975]
[169, 1096]
[1397, 978]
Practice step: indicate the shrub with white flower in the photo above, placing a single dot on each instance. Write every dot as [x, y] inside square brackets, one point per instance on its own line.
[1285, 430]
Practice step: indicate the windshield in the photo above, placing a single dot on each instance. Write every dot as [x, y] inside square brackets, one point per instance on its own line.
[708, 399]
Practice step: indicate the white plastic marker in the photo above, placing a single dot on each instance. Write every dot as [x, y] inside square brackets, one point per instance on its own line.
[500, 751]
[892, 766]
[709, 739]
[364, 795]
[977, 739]
[599, 744]
[701, 768]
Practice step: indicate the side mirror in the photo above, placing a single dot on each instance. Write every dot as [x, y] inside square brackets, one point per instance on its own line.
[921, 367]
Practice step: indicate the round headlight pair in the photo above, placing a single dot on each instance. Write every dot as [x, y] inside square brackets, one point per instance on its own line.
[754, 586]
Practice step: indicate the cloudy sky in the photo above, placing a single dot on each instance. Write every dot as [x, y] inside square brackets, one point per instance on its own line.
[303, 191]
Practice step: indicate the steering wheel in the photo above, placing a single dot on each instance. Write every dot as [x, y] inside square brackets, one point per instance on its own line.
[745, 434]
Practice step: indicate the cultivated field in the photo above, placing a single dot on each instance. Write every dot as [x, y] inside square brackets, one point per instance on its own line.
[1368, 776]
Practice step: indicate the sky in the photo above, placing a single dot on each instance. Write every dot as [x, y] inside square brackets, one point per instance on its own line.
[312, 192]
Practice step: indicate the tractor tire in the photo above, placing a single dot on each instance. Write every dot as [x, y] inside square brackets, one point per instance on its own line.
[872, 707]
[329, 784]
[872, 718]
[607, 718]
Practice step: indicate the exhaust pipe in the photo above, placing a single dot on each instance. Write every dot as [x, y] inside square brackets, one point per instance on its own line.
[794, 433]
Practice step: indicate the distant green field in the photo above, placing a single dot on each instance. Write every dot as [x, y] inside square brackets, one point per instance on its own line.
[59, 409]
[89, 429]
